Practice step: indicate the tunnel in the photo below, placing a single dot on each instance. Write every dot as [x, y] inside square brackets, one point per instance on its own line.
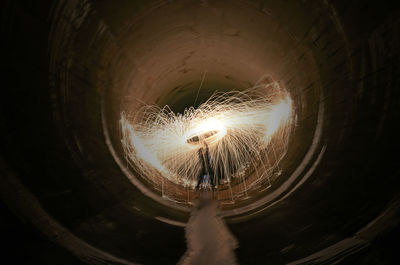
[71, 68]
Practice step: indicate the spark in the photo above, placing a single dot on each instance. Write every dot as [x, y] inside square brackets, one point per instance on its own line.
[241, 130]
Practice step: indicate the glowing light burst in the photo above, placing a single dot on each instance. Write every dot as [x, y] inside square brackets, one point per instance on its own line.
[243, 130]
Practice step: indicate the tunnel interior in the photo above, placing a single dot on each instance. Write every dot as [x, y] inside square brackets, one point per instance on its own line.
[72, 67]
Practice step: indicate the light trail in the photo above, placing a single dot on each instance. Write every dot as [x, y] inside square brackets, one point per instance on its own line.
[241, 129]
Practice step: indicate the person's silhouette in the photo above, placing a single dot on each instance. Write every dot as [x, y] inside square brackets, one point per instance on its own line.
[206, 172]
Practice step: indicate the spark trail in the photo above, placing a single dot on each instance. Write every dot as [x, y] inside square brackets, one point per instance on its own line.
[241, 129]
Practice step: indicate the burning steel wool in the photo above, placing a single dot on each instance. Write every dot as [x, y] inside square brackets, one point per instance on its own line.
[241, 131]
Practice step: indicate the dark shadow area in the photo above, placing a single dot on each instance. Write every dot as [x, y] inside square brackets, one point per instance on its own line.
[70, 67]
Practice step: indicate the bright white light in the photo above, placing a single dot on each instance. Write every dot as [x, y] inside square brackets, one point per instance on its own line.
[279, 114]
[238, 127]
[210, 130]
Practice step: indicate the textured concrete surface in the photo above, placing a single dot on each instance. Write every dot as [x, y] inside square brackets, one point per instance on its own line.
[69, 68]
[208, 239]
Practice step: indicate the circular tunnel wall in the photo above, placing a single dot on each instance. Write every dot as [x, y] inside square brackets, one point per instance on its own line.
[335, 185]
[173, 61]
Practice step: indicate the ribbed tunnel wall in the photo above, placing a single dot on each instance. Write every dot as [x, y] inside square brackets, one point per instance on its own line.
[72, 67]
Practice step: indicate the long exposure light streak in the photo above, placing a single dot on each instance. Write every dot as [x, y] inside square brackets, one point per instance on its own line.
[243, 130]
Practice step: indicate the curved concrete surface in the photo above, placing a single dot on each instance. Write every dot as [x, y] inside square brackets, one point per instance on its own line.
[71, 68]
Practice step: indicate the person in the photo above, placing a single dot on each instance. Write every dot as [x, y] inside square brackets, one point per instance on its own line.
[206, 173]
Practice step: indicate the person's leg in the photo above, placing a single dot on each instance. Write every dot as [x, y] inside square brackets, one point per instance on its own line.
[212, 182]
[199, 180]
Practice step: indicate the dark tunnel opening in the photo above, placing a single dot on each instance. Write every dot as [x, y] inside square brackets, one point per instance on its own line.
[70, 68]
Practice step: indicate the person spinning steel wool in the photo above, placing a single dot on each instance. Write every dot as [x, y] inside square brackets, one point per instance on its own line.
[206, 174]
